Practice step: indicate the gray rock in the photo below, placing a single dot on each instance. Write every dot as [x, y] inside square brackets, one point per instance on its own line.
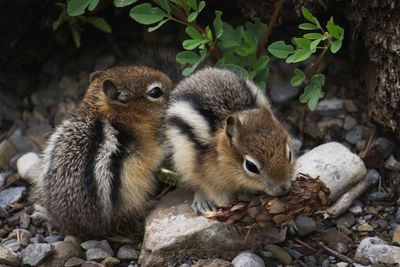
[378, 251]
[174, 233]
[24, 220]
[330, 107]
[110, 262]
[96, 254]
[282, 92]
[28, 166]
[383, 145]
[126, 252]
[392, 164]
[354, 135]
[3, 177]
[335, 164]
[397, 216]
[74, 262]
[89, 244]
[7, 152]
[34, 254]
[103, 244]
[356, 210]
[91, 264]
[3, 213]
[12, 244]
[377, 196]
[53, 238]
[8, 257]
[279, 253]
[63, 251]
[305, 225]
[24, 236]
[245, 259]
[346, 220]
[11, 195]
[349, 123]
[202, 263]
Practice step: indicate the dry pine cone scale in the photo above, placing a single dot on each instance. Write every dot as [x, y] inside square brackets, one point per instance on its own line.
[306, 196]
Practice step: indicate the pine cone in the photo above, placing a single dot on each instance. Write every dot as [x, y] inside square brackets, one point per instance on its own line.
[307, 195]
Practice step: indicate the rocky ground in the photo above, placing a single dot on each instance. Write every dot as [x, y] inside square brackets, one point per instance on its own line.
[368, 233]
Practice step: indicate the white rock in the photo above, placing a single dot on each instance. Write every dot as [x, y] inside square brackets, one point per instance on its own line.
[335, 164]
[378, 251]
[174, 233]
[28, 166]
[342, 264]
[245, 259]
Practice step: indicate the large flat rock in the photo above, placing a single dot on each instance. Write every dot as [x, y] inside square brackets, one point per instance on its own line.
[174, 234]
[335, 164]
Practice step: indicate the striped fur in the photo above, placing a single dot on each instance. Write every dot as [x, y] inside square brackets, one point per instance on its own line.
[206, 157]
[97, 170]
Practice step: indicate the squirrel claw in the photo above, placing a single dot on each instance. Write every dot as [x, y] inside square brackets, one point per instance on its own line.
[202, 205]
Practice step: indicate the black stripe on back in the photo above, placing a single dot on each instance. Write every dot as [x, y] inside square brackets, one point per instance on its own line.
[197, 104]
[95, 138]
[125, 139]
[186, 130]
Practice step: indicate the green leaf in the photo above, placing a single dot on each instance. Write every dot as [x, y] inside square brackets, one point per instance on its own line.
[164, 5]
[308, 26]
[280, 50]
[250, 40]
[308, 16]
[123, 3]
[75, 34]
[236, 69]
[314, 44]
[193, 43]
[243, 51]
[93, 4]
[208, 33]
[301, 55]
[335, 46]
[301, 42]
[290, 58]
[187, 57]
[335, 30]
[313, 36]
[193, 33]
[202, 4]
[257, 28]
[218, 24]
[318, 80]
[99, 23]
[262, 63]
[192, 4]
[146, 14]
[192, 16]
[77, 7]
[231, 37]
[152, 29]
[298, 77]
[311, 95]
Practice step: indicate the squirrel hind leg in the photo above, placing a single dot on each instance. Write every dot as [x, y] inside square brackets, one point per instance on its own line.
[201, 204]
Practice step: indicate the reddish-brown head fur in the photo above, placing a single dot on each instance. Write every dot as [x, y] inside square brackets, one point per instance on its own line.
[255, 135]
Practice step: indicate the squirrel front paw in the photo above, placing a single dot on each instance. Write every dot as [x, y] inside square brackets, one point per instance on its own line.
[201, 204]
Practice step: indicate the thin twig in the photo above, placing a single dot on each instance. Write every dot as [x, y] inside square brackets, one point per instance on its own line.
[271, 24]
[312, 68]
[336, 254]
[305, 245]
[371, 137]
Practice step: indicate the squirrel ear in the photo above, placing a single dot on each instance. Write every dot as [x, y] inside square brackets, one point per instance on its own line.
[110, 89]
[95, 75]
[231, 125]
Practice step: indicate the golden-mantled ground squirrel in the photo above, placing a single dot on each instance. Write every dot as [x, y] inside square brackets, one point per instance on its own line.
[224, 139]
[97, 170]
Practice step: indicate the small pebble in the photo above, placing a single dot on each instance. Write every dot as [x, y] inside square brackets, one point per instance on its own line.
[356, 210]
[349, 123]
[396, 236]
[110, 262]
[34, 254]
[53, 238]
[96, 254]
[126, 252]
[392, 164]
[305, 225]
[346, 220]
[377, 196]
[365, 228]
[282, 255]
[74, 262]
[245, 259]
[354, 135]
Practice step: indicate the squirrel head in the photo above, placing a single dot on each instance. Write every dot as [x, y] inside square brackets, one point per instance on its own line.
[254, 151]
[122, 92]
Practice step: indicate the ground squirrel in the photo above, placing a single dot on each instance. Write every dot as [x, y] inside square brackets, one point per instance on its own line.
[97, 169]
[224, 139]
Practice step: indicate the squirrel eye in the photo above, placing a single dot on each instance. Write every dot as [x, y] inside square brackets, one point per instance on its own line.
[290, 156]
[251, 166]
[156, 92]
